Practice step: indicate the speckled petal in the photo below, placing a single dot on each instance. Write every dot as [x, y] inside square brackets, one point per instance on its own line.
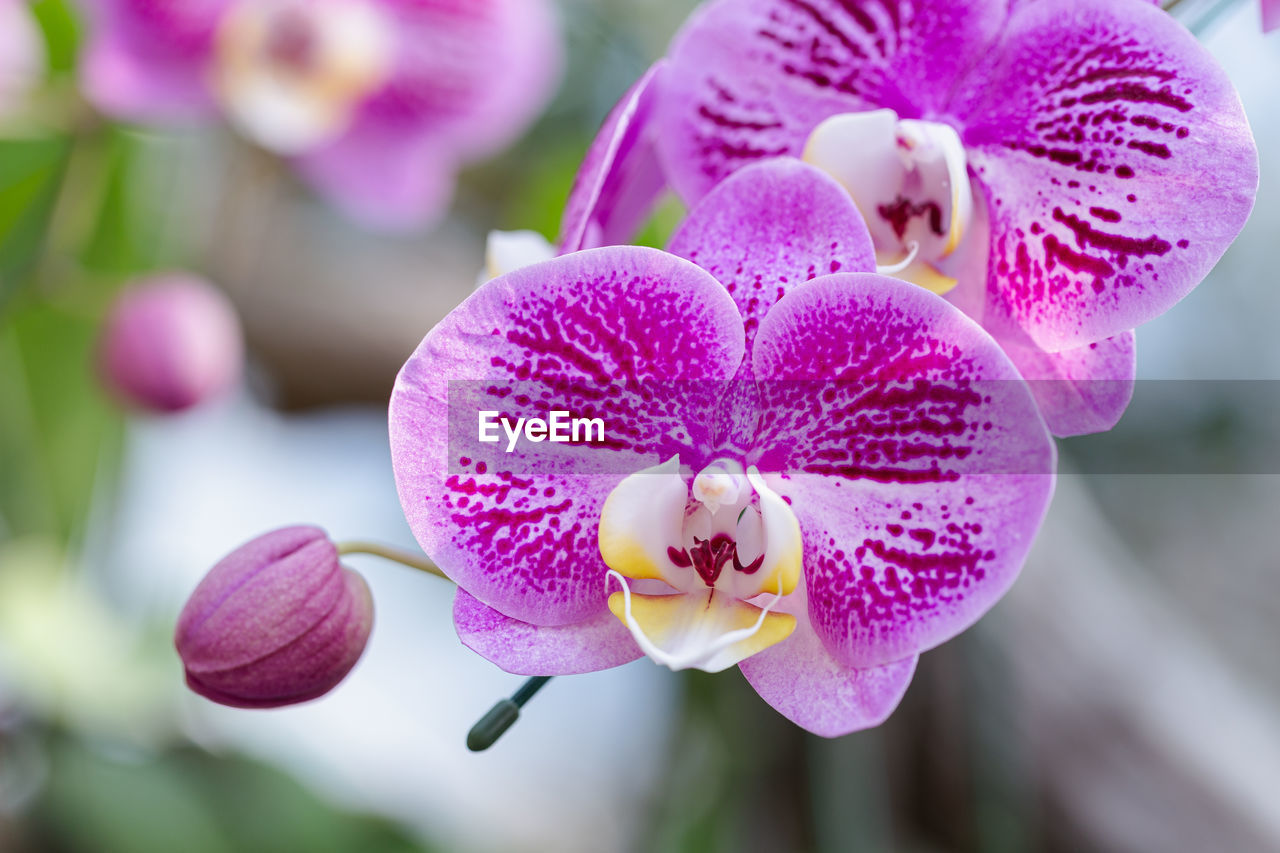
[1083, 390]
[752, 78]
[804, 683]
[601, 642]
[912, 454]
[147, 60]
[1117, 162]
[770, 228]
[620, 178]
[598, 333]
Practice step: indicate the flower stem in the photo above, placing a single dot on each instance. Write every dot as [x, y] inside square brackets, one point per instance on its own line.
[413, 561]
[503, 715]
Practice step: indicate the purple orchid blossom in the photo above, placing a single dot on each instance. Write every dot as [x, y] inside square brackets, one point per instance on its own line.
[820, 541]
[1063, 171]
[379, 102]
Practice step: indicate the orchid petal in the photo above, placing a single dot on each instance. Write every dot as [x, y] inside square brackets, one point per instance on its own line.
[804, 683]
[912, 454]
[1083, 390]
[149, 61]
[752, 78]
[1270, 15]
[382, 177]
[1117, 162]
[600, 330]
[620, 178]
[770, 228]
[601, 642]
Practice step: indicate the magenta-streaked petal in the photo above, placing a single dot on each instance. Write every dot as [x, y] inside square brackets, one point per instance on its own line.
[753, 78]
[1270, 15]
[1117, 163]
[601, 642]
[771, 227]
[590, 333]
[912, 454]
[1083, 390]
[382, 178]
[149, 61]
[620, 178]
[804, 683]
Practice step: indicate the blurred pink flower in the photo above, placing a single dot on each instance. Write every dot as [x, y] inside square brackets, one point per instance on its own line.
[276, 622]
[170, 343]
[1270, 15]
[379, 102]
[22, 57]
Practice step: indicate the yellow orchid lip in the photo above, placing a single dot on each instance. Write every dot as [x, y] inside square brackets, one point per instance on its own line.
[718, 544]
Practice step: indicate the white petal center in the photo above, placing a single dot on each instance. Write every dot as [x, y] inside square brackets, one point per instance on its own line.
[909, 179]
[290, 73]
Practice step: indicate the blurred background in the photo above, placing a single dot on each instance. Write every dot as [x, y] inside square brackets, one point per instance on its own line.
[1124, 696]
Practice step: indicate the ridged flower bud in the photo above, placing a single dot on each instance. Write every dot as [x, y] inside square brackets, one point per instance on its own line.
[278, 621]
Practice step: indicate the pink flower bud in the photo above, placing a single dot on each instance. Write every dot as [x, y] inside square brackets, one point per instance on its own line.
[170, 343]
[278, 621]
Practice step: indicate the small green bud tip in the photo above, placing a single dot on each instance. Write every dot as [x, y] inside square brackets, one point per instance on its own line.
[503, 715]
[492, 725]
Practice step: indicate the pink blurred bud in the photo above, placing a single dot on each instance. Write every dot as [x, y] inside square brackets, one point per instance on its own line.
[170, 343]
[278, 621]
[22, 58]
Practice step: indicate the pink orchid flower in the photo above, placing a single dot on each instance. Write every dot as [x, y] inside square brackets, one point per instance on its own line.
[1062, 170]
[378, 102]
[812, 472]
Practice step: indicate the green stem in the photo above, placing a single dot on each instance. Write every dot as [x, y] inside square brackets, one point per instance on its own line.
[395, 555]
[503, 715]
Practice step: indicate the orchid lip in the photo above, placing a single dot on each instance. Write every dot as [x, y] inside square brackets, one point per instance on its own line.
[909, 179]
[718, 543]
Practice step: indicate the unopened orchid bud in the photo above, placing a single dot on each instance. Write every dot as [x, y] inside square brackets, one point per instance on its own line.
[170, 343]
[278, 621]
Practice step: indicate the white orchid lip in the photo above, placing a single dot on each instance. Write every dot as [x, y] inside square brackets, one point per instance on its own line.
[721, 545]
[909, 178]
[291, 73]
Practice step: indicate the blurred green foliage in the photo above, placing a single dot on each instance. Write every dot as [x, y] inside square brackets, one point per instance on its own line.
[31, 173]
[187, 800]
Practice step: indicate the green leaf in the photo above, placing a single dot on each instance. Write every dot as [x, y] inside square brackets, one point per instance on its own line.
[31, 172]
[191, 801]
[56, 427]
[61, 30]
